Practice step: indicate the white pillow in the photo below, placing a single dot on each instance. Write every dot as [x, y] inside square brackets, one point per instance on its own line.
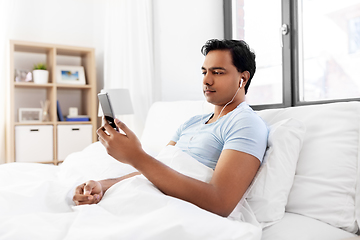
[164, 118]
[269, 191]
[327, 171]
[326, 184]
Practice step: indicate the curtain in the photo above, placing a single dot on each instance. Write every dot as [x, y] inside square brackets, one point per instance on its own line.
[5, 11]
[128, 55]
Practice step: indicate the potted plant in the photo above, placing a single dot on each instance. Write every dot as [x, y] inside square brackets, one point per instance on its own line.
[40, 74]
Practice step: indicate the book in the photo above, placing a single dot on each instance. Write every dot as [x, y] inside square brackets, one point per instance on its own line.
[59, 112]
[78, 118]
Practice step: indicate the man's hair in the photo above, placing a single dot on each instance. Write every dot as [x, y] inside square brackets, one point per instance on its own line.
[242, 57]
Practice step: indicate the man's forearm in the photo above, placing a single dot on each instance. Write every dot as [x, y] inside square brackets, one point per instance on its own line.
[107, 183]
[175, 184]
[232, 176]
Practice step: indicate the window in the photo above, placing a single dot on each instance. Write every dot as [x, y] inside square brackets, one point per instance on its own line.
[248, 21]
[308, 51]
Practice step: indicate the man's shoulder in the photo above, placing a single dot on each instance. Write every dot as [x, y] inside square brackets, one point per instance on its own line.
[246, 112]
[247, 117]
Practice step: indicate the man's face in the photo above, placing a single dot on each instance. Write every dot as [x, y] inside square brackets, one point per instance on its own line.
[221, 78]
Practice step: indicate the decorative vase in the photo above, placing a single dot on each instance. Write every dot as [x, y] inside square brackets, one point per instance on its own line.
[40, 76]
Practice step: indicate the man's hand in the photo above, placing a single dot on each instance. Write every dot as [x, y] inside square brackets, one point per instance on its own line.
[90, 192]
[125, 148]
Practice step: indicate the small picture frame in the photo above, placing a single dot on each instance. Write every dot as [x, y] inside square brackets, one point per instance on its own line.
[23, 75]
[70, 75]
[30, 114]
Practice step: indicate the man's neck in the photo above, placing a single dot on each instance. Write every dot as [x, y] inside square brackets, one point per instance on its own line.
[220, 111]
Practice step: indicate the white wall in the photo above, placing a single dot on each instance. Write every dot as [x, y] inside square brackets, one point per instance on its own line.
[65, 22]
[98, 40]
[180, 30]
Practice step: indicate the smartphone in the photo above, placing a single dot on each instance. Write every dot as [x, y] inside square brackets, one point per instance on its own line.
[108, 112]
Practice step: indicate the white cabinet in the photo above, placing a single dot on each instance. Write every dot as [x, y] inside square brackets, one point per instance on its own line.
[72, 138]
[34, 143]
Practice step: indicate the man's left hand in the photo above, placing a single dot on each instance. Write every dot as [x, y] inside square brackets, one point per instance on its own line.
[125, 148]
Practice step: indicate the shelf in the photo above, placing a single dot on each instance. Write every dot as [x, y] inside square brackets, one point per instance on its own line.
[33, 85]
[49, 85]
[32, 123]
[32, 47]
[51, 123]
[23, 56]
[73, 86]
[71, 122]
[75, 52]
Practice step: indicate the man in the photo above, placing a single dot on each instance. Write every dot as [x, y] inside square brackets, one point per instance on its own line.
[232, 140]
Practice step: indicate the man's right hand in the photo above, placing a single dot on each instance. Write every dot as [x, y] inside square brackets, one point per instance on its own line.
[90, 192]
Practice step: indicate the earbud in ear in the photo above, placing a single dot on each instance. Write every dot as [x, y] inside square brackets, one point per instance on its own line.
[241, 83]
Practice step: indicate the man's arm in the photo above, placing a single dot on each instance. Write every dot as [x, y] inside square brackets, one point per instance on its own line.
[172, 143]
[232, 176]
[92, 192]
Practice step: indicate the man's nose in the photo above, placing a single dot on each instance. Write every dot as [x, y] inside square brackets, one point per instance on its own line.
[207, 80]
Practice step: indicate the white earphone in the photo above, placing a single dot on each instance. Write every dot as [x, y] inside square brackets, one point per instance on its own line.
[241, 83]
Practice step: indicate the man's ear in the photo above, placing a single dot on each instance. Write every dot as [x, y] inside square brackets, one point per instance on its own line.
[244, 77]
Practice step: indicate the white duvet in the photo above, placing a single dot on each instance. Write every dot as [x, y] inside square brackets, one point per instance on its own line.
[36, 203]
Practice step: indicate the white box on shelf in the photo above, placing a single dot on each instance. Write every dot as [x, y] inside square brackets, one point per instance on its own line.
[34, 143]
[72, 138]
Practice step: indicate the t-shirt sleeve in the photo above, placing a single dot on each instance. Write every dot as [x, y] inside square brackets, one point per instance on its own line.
[178, 132]
[247, 134]
[176, 136]
[193, 120]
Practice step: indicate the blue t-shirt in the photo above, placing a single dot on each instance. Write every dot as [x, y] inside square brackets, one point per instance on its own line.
[241, 129]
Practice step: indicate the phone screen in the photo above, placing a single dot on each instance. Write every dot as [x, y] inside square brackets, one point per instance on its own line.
[107, 109]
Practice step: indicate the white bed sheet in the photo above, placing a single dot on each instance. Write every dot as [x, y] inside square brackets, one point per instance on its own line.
[297, 227]
[35, 203]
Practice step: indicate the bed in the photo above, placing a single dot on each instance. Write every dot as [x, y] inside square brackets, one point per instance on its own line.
[307, 187]
[36, 203]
